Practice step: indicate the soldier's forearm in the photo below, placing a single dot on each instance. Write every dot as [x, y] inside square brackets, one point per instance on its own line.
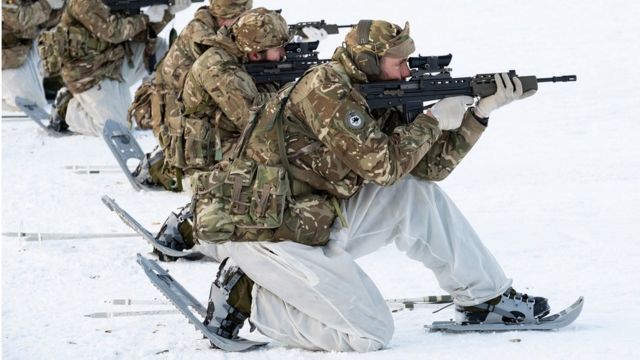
[22, 17]
[449, 150]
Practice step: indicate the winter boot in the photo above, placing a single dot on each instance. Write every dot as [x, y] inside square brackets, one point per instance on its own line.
[176, 232]
[151, 172]
[510, 307]
[57, 116]
[229, 300]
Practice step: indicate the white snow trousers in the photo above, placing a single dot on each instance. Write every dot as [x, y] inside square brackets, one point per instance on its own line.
[24, 81]
[318, 298]
[109, 99]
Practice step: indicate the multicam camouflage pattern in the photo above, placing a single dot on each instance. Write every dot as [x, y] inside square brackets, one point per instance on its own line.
[98, 41]
[217, 98]
[333, 144]
[218, 94]
[194, 39]
[228, 9]
[157, 98]
[22, 20]
[384, 38]
[260, 29]
[244, 201]
[357, 144]
[172, 69]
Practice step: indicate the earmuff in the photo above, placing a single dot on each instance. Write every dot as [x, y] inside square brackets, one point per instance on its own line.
[366, 60]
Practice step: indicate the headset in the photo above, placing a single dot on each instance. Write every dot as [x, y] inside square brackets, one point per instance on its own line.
[366, 60]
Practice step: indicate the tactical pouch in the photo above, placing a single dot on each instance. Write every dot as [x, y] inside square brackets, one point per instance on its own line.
[211, 220]
[53, 49]
[82, 44]
[221, 200]
[172, 141]
[307, 220]
[141, 110]
[269, 194]
[157, 111]
[245, 201]
[197, 138]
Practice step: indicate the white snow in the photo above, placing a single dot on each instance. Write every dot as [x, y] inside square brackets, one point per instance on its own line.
[552, 188]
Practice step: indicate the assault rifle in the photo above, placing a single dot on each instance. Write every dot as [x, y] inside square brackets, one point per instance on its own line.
[431, 80]
[299, 58]
[296, 29]
[133, 6]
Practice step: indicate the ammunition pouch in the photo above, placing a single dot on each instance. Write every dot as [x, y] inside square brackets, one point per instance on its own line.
[66, 43]
[198, 143]
[52, 47]
[171, 133]
[245, 201]
[145, 109]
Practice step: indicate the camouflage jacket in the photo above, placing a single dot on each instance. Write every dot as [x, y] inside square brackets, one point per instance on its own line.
[334, 143]
[99, 41]
[22, 20]
[193, 40]
[219, 91]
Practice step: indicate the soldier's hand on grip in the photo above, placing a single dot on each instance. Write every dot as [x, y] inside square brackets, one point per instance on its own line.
[450, 111]
[506, 92]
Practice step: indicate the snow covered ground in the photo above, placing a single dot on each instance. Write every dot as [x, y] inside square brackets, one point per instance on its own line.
[552, 188]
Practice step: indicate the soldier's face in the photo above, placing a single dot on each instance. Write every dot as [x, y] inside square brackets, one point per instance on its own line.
[393, 69]
[274, 54]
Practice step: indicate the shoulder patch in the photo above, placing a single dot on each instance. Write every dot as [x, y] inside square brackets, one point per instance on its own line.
[354, 120]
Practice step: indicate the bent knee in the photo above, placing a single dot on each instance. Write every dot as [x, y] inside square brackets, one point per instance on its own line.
[375, 339]
[362, 345]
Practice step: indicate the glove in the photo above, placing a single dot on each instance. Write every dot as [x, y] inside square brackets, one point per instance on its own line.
[313, 34]
[56, 4]
[450, 111]
[505, 93]
[155, 12]
[179, 5]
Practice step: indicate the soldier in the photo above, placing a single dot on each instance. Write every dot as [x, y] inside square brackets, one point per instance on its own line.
[22, 21]
[163, 89]
[316, 143]
[216, 100]
[107, 53]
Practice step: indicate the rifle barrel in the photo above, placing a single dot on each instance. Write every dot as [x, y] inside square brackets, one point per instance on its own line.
[563, 78]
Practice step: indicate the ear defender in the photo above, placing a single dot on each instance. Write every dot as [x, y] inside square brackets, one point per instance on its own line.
[366, 60]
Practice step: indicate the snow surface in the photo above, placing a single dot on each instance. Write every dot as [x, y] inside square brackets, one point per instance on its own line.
[552, 188]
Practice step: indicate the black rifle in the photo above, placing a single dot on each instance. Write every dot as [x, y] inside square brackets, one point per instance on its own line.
[299, 58]
[296, 29]
[133, 6]
[431, 80]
